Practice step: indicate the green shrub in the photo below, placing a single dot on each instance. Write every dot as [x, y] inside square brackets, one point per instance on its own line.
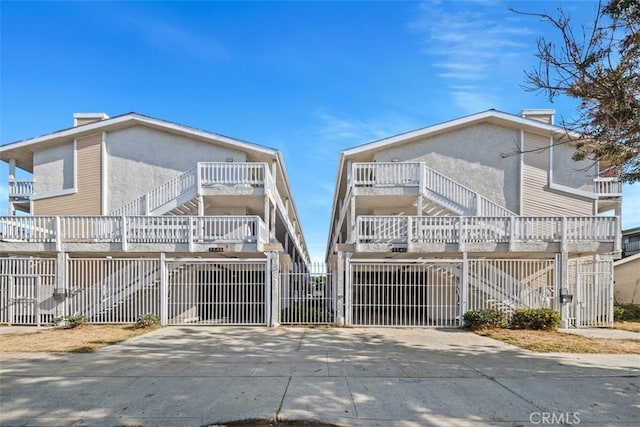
[535, 318]
[147, 320]
[626, 313]
[485, 318]
[71, 322]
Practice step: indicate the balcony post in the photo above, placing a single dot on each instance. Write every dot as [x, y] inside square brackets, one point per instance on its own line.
[461, 236]
[198, 178]
[409, 233]
[617, 244]
[12, 169]
[58, 232]
[123, 233]
[478, 204]
[563, 232]
[190, 231]
[512, 232]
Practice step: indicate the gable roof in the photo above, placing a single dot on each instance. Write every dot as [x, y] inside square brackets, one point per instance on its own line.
[488, 116]
[22, 150]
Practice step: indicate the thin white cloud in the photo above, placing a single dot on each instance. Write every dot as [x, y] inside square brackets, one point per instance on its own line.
[178, 39]
[470, 44]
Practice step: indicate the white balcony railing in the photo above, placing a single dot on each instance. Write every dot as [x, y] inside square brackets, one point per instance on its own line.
[430, 182]
[20, 189]
[133, 229]
[204, 174]
[426, 229]
[608, 187]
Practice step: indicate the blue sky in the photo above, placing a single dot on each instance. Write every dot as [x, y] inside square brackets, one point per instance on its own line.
[307, 78]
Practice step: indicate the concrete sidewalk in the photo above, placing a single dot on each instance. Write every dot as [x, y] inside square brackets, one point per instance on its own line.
[193, 376]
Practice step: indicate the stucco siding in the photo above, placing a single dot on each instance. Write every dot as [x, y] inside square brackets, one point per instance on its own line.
[471, 156]
[87, 198]
[54, 166]
[627, 280]
[537, 198]
[141, 158]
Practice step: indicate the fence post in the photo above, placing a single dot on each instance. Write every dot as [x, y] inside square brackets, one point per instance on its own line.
[61, 280]
[272, 290]
[464, 287]
[164, 291]
[339, 292]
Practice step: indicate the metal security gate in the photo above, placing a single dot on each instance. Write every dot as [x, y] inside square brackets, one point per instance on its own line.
[113, 290]
[404, 293]
[508, 284]
[216, 292]
[27, 291]
[592, 287]
[307, 294]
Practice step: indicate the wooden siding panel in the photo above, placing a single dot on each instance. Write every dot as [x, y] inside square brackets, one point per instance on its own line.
[537, 198]
[87, 198]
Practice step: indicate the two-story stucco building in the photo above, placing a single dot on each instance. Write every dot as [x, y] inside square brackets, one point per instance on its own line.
[131, 214]
[485, 211]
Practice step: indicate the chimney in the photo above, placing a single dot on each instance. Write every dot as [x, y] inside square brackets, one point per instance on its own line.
[545, 116]
[80, 119]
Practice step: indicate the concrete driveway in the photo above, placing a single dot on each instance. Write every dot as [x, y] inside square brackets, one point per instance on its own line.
[191, 376]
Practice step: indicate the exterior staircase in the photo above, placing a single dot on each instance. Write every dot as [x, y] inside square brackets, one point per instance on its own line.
[178, 195]
[442, 194]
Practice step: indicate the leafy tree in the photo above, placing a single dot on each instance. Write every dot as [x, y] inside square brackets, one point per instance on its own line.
[599, 65]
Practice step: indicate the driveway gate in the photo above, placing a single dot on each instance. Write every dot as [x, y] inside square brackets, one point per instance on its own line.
[216, 292]
[404, 293]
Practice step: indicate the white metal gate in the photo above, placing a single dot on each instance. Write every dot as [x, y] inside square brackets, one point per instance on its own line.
[217, 292]
[113, 290]
[27, 291]
[404, 293]
[508, 284]
[307, 294]
[592, 288]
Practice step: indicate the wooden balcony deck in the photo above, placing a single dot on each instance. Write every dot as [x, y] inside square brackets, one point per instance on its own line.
[132, 234]
[428, 234]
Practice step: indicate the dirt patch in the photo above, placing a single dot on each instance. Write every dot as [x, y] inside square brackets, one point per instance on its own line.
[627, 326]
[557, 342]
[83, 339]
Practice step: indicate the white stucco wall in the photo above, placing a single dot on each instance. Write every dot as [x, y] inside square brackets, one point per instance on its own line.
[471, 156]
[53, 169]
[140, 158]
[571, 173]
[627, 280]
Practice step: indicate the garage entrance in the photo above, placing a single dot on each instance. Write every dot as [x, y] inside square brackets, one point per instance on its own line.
[406, 293]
